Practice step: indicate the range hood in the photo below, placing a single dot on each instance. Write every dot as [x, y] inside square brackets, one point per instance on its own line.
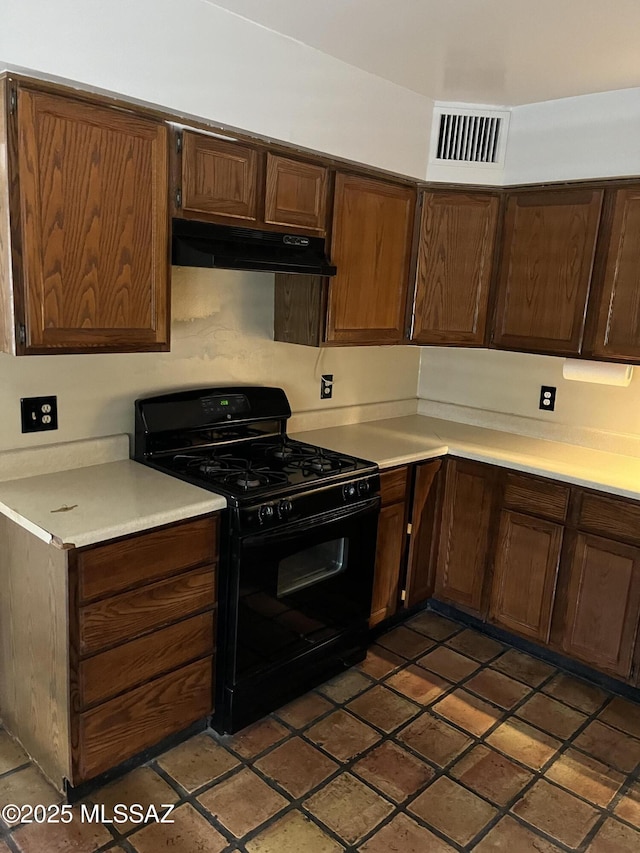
[202, 244]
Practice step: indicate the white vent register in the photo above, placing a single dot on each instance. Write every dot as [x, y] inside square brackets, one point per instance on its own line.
[462, 135]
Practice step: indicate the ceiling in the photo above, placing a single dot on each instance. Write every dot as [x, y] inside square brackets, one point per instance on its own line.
[504, 52]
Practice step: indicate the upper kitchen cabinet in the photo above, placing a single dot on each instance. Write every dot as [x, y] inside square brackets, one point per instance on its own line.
[84, 238]
[548, 247]
[238, 183]
[455, 264]
[371, 246]
[615, 304]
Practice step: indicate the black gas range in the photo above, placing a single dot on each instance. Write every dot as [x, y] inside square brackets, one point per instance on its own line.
[298, 546]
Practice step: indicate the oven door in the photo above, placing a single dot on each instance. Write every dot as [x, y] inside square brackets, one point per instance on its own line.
[302, 586]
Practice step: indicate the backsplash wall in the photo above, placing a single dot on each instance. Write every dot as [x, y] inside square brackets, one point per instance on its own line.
[222, 333]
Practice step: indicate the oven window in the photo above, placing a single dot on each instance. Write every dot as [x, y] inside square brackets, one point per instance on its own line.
[311, 566]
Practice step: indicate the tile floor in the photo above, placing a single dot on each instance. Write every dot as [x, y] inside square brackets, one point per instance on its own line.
[442, 740]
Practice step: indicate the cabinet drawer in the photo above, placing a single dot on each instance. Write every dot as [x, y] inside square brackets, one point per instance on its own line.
[107, 569]
[393, 485]
[614, 517]
[540, 497]
[122, 617]
[124, 726]
[112, 672]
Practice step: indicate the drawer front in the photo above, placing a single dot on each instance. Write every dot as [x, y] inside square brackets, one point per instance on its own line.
[123, 617]
[124, 726]
[120, 669]
[540, 497]
[614, 517]
[393, 485]
[108, 569]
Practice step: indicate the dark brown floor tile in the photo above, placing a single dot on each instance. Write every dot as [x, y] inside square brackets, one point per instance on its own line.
[394, 771]
[405, 642]
[293, 833]
[345, 686]
[304, 710]
[11, 753]
[256, 738]
[623, 715]
[523, 667]
[610, 745]
[348, 807]
[189, 833]
[296, 766]
[433, 625]
[342, 736]
[448, 663]
[467, 711]
[242, 802]
[383, 708]
[435, 740]
[197, 761]
[614, 837]
[579, 694]
[491, 775]
[73, 837]
[509, 836]
[456, 812]
[418, 684]
[586, 777]
[142, 786]
[629, 806]
[556, 812]
[498, 688]
[403, 835]
[554, 717]
[27, 788]
[476, 645]
[380, 662]
[521, 741]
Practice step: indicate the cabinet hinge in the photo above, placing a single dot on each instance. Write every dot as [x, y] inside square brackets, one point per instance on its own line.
[403, 595]
[409, 528]
[178, 143]
[13, 101]
[178, 197]
[22, 334]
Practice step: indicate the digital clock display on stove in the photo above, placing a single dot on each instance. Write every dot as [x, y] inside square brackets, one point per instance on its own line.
[217, 406]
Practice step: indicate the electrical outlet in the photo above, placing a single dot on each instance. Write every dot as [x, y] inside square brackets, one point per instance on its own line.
[547, 398]
[326, 386]
[39, 413]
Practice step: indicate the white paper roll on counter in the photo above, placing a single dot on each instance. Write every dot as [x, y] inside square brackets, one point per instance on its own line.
[600, 372]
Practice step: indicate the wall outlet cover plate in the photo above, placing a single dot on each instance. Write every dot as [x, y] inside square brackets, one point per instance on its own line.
[39, 413]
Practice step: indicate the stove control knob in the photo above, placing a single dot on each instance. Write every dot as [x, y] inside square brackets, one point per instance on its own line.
[265, 513]
[364, 487]
[349, 491]
[285, 508]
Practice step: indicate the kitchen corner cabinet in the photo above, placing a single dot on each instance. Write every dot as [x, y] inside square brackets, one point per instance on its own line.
[84, 226]
[242, 184]
[391, 544]
[121, 654]
[455, 267]
[548, 248]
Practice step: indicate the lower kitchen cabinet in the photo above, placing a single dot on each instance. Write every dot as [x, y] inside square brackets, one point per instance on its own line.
[392, 534]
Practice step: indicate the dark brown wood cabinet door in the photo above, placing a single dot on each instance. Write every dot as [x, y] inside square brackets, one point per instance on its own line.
[455, 264]
[371, 245]
[617, 333]
[525, 575]
[95, 230]
[390, 546]
[467, 517]
[545, 269]
[603, 604]
[424, 539]
[296, 194]
[219, 178]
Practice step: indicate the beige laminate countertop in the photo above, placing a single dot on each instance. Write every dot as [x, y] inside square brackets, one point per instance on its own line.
[83, 506]
[413, 438]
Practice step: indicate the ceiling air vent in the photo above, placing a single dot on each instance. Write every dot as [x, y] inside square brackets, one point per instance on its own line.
[469, 136]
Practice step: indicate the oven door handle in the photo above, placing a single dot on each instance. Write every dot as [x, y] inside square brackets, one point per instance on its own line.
[353, 512]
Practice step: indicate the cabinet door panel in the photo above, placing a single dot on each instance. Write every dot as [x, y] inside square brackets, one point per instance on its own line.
[93, 187]
[371, 244]
[455, 259]
[424, 535]
[218, 177]
[545, 270]
[618, 325]
[603, 604]
[525, 575]
[296, 194]
[390, 546]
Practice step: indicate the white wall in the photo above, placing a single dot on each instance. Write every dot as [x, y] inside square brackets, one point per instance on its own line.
[198, 59]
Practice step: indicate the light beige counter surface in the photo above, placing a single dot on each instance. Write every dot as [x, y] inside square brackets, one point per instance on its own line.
[400, 441]
[86, 505]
